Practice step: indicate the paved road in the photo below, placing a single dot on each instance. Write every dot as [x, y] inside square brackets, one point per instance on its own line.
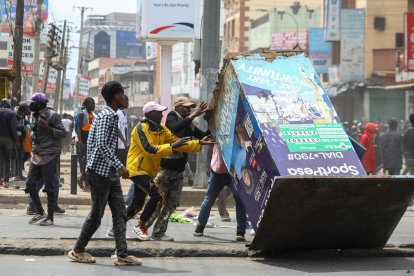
[44, 266]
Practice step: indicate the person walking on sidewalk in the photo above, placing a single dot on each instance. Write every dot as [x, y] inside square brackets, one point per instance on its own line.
[82, 125]
[408, 147]
[391, 149]
[220, 177]
[170, 178]
[367, 140]
[103, 170]
[150, 141]
[22, 112]
[123, 141]
[8, 139]
[222, 205]
[47, 133]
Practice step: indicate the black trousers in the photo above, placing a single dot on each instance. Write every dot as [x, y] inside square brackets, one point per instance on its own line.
[144, 187]
[48, 173]
[104, 190]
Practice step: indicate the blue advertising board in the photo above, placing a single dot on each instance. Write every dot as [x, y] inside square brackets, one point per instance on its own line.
[127, 45]
[352, 63]
[273, 118]
[320, 51]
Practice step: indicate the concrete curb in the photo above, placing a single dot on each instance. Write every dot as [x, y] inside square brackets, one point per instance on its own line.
[141, 252]
[178, 250]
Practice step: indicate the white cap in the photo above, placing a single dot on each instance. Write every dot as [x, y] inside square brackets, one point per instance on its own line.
[151, 106]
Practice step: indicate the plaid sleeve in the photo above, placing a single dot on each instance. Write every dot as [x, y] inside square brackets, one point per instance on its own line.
[102, 130]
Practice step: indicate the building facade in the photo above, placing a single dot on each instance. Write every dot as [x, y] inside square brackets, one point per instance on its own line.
[111, 51]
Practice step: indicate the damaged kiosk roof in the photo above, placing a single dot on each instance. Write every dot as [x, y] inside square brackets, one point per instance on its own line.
[275, 125]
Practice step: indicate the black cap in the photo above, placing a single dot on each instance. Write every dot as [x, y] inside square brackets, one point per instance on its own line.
[112, 87]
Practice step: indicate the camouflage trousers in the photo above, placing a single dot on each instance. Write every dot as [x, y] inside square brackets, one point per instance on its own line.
[170, 186]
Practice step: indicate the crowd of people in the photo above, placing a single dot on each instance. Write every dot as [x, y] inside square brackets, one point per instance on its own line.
[153, 155]
[389, 148]
[155, 162]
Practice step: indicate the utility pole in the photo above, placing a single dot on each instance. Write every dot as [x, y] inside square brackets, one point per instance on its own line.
[52, 45]
[36, 62]
[79, 71]
[65, 64]
[210, 62]
[17, 50]
[60, 68]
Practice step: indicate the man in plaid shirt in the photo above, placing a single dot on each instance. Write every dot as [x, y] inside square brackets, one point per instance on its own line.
[102, 171]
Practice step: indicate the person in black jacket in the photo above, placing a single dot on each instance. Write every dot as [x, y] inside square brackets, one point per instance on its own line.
[47, 133]
[391, 149]
[170, 177]
[408, 147]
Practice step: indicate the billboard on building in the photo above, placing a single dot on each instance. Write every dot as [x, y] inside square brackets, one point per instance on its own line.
[332, 20]
[352, 62]
[320, 51]
[27, 54]
[168, 19]
[102, 45]
[288, 40]
[409, 40]
[84, 83]
[51, 81]
[8, 15]
[127, 45]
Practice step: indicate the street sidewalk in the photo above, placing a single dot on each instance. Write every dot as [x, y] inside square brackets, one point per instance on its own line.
[190, 196]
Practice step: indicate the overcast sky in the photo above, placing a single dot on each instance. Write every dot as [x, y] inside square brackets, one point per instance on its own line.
[60, 10]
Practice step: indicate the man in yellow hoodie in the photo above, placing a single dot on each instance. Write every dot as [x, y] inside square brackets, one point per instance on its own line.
[150, 141]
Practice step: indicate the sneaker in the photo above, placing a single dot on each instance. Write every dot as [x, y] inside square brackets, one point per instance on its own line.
[141, 232]
[410, 208]
[128, 260]
[162, 237]
[198, 232]
[240, 238]
[36, 218]
[110, 233]
[46, 222]
[59, 210]
[226, 218]
[31, 211]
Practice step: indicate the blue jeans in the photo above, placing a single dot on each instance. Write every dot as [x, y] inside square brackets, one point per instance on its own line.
[216, 183]
[130, 194]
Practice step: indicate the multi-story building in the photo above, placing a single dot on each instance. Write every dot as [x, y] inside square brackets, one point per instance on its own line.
[240, 13]
[113, 52]
[278, 26]
[377, 94]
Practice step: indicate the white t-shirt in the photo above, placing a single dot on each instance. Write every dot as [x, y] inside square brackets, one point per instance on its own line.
[123, 126]
[66, 124]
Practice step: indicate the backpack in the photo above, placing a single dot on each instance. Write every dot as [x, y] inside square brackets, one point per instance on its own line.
[85, 117]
